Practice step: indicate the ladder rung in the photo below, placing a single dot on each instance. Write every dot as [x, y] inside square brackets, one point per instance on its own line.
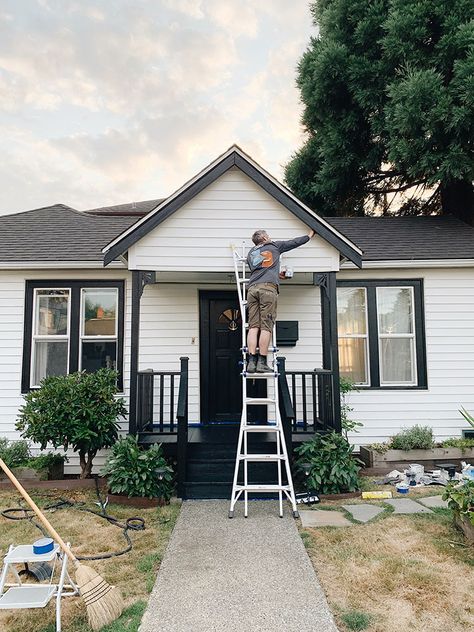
[259, 400]
[263, 488]
[261, 428]
[261, 457]
[259, 376]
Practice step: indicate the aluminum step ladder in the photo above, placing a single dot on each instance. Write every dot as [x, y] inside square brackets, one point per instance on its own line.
[21, 595]
[280, 457]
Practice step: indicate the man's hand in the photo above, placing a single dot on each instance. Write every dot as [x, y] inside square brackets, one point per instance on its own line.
[311, 233]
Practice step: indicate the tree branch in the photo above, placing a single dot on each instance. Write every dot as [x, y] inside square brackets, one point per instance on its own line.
[402, 187]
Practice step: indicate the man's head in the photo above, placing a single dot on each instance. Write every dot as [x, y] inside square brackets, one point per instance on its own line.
[260, 237]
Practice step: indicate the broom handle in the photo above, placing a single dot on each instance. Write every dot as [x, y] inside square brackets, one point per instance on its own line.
[39, 513]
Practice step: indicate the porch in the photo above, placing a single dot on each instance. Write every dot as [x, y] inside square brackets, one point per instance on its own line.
[203, 444]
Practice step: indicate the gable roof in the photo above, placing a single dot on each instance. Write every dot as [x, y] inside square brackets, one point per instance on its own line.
[408, 238]
[234, 156]
[57, 233]
[132, 208]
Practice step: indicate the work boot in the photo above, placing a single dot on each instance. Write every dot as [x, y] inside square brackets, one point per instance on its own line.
[262, 366]
[252, 363]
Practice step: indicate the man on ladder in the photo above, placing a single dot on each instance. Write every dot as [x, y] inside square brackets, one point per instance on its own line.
[262, 291]
[261, 300]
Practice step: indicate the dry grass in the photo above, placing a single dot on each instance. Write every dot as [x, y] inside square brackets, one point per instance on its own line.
[133, 572]
[405, 572]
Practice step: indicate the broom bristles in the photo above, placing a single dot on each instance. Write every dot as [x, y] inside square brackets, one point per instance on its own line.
[103, 602]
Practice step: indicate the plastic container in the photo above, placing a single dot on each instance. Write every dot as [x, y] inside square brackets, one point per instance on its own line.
[402, 488]
[43, 545]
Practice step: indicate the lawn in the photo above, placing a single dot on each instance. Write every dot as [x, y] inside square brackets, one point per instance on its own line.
[396, 573]
[133, 572]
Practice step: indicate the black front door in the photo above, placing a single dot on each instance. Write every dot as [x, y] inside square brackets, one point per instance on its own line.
[220, 343]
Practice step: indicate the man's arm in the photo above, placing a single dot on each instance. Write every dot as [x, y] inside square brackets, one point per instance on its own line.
[284, 246]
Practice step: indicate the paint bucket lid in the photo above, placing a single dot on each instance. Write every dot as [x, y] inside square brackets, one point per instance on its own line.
[43, 545]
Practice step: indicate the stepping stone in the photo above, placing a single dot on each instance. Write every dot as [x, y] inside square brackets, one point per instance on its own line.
[363, 512]
[434, 502]
[322, 518]
[407, 506]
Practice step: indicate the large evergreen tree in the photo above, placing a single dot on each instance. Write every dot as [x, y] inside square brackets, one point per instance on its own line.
[388, 90]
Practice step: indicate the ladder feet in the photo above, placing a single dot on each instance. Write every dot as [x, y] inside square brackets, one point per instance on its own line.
[231, 514]
[296, 514]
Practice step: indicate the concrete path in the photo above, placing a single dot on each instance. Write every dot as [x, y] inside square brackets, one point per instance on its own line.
[236, 575]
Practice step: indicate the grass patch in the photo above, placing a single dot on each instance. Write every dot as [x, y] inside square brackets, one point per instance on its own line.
[134, 573]
[409, 572]
[356, 620]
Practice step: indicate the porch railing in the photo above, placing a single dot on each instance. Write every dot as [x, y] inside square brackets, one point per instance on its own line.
[306, 400]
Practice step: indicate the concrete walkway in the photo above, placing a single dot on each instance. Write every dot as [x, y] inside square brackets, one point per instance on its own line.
[236, 575]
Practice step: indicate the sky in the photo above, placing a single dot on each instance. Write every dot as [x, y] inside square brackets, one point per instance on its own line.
[116, 101]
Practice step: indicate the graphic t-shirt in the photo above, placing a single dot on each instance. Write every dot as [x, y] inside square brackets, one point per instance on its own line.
[264, 259]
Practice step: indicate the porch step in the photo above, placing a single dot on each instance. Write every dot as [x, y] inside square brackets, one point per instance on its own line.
[204, 471]
[220, 489]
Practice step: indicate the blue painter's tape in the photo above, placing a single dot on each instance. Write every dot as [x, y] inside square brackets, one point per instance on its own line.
[43, 545]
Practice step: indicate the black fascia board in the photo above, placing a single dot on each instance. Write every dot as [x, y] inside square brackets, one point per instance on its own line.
[167, 210]
[288, 202]
[259, 178]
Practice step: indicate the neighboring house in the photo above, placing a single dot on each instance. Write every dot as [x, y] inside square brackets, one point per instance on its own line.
[139, 286]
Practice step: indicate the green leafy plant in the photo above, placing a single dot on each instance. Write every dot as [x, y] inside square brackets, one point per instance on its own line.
[458, 442]
[414, 438]
[14, 453]
[334, 469]
[47, 461]
[460, 499]
[79, 410]
[348, 425]
[467, 416]
[381, 448]
[131, 470]
[356, 620]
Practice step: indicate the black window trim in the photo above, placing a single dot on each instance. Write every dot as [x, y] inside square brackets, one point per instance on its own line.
[75, 286]
[373, 337]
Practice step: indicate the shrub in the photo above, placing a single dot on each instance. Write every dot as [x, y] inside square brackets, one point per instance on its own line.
[347, 424]
[14, 453]
[47, 461]
[463, 443]
[460, 498]
[78, 410]
[333, 467]
[415, 438]
[132, 471]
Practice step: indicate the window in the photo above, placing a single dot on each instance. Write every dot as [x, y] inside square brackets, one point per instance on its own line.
[381, 333]
[71, 326]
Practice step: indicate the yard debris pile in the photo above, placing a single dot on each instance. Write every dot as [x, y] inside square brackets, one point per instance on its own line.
[416, 476]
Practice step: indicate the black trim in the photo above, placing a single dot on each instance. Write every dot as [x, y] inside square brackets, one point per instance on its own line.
[204, 296]
[137, 290]
[74, 337]
[420, 336]
[259, 178]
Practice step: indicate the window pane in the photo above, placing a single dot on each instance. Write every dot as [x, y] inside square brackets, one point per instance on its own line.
[353, 359]
[52, 313]
[395, 309]
[99, 312]
[396, 361]
[351, 310]
[98, 355]
[50, 359]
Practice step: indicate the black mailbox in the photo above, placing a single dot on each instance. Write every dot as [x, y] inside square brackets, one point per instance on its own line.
[287, 333]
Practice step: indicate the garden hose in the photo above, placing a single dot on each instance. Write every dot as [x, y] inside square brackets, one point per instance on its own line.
[135, 523]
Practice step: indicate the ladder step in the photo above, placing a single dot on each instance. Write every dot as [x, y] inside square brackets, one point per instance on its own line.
[259, 400]
[27, 597]
[263, 488]
[261, 428]
[261, 457]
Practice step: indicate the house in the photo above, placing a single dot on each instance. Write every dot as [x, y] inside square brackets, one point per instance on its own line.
[149, 288]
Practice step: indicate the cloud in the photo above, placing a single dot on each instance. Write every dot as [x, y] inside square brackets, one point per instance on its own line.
[119, 100]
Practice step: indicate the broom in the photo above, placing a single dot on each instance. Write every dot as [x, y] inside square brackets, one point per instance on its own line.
[103, 602]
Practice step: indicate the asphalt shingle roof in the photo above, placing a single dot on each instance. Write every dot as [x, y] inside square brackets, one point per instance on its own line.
[61, 233]
[391, 238]
[57, 233]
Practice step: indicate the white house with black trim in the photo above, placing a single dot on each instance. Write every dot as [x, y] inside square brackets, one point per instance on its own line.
[148, 288]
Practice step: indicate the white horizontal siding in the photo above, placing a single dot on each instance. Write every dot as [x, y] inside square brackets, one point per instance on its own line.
[449, 324]
[197, 237]
[12, 300]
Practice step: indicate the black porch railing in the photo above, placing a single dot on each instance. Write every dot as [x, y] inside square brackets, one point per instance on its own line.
[306, 401]
[158, 400]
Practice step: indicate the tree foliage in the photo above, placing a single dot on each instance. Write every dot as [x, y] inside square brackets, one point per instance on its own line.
[388, 90]
[79, 410]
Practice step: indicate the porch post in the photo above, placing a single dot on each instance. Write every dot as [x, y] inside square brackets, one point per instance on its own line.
[140, 279]
[327, 284]
[134, 343]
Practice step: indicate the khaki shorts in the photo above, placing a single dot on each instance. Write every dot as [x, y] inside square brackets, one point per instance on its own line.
[262, 306]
